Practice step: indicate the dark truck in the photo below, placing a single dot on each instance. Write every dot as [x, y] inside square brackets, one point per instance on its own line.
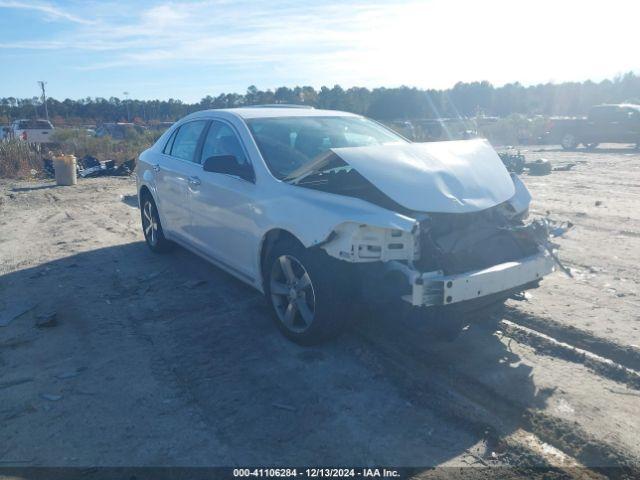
[604, 124]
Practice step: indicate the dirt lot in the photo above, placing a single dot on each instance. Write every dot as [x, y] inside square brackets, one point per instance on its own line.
[116, 356]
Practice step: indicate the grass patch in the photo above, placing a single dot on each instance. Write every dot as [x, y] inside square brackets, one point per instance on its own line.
[19, 158]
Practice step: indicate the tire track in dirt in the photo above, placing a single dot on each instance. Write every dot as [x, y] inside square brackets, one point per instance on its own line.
[112, 225]
[625, 356]
[550, 346]
[482, 407]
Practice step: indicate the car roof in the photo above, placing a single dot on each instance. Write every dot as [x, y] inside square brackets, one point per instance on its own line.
[271, 112]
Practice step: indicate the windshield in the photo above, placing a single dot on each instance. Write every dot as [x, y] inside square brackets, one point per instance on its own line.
[288, 143]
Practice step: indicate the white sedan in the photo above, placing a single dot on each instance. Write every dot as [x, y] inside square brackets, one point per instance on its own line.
[323, 210]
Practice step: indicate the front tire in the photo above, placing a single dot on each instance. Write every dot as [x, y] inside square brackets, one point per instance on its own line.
[152, 228]
[307, 295]
[569, 141]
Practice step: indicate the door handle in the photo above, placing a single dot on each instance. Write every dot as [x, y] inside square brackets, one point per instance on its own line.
[156, 167]
[194, 181]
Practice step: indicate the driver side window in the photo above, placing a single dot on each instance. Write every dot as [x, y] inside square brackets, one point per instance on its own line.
[222, 140]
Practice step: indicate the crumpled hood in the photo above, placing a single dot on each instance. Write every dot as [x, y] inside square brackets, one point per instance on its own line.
[446, 177]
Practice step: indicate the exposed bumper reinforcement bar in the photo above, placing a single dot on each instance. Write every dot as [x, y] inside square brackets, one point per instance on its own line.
[434, 288]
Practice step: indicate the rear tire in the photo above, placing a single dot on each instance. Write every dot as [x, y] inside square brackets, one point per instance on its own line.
[306, 293]
[152, 228]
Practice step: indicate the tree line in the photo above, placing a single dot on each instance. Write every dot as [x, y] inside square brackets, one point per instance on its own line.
[463, 100]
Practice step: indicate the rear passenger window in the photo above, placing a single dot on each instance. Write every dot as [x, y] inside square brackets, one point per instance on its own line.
[186, 140]
[167, 148]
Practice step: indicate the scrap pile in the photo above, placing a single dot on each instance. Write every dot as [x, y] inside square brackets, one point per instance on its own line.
[89, 166]
[513, 161]
[516, 163]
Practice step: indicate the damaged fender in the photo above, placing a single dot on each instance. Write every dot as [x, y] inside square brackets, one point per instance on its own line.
[521, 198]
[354, 242]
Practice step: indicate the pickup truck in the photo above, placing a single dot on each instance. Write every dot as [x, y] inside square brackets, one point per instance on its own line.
[604, 124]
[33, 131]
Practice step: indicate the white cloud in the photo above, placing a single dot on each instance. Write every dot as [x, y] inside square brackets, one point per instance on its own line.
[420, 43]
[50, 11]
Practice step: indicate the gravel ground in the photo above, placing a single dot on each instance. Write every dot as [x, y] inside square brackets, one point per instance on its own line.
[122, 357]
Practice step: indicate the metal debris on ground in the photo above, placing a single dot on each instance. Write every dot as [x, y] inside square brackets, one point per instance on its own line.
[89, 166]
[557, 229]
[513, 161]
[541, 166]
[564, 168]
[516, 163]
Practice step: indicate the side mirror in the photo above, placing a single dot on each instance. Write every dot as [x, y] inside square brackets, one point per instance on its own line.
[228, 164]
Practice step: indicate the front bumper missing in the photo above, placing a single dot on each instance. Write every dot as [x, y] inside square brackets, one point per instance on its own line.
[434, 288]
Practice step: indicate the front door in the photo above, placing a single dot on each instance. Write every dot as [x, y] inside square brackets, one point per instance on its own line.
[222, 215]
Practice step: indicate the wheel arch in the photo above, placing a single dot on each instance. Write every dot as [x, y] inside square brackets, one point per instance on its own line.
[146, 190]
[269, 239]
[142, 193]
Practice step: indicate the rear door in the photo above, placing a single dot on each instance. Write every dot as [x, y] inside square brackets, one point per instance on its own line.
[631, 122]
[222, 206]
[176, 167]
[606, 124]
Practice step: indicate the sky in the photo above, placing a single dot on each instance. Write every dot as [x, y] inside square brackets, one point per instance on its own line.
[187, 50]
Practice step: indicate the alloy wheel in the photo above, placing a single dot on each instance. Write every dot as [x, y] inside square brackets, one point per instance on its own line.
[150, 223]
[292, 293]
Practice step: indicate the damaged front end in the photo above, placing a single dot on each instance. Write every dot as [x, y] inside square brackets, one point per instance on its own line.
[478, 247]
[487, 256]
[447, 258]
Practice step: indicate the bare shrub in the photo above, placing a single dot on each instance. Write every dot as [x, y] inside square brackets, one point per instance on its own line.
[79, 142]
[18, 158]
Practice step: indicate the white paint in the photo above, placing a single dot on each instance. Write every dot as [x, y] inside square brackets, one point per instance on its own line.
[362, 243]
[444, 177]
[522, 198]
[480, 283]
[225, 219]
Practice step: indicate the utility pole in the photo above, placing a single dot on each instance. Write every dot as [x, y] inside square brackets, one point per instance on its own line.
[126, 102]
[44, 99]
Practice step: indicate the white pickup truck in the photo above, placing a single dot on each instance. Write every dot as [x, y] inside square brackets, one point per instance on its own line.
[33, 131]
